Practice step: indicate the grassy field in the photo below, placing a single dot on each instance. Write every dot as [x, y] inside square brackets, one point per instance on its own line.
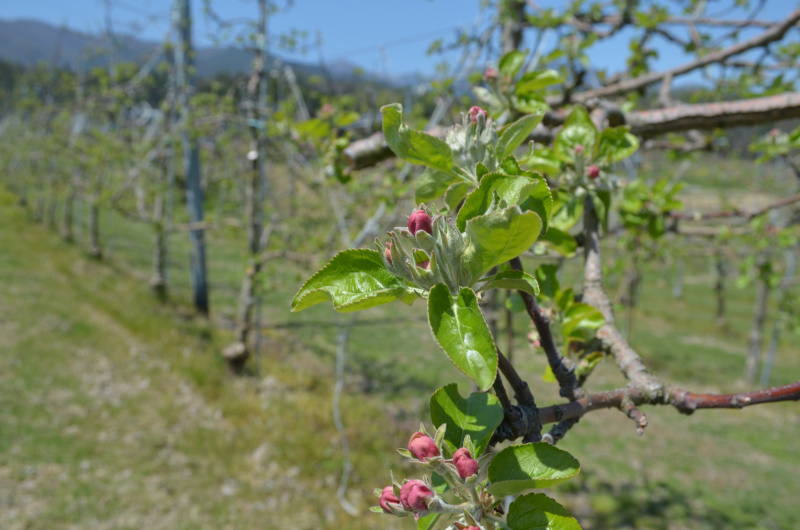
[117, 412]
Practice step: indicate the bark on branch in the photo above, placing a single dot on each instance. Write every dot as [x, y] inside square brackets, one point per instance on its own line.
[630, 396]
[646, 123]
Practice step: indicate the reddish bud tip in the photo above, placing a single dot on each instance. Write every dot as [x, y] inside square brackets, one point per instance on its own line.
[578, 149]
[414, 496]
[422, 446]
[593, 171]
[388, 252]
[387, 495]
[490, 74]
[474, 112]
[774, 132]
[424, 264]
[465, 464]
[420, 220]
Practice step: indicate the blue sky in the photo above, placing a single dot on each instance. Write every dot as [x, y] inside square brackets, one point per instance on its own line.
[386, 36]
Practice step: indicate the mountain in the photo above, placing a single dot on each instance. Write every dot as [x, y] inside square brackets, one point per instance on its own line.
[29, 42]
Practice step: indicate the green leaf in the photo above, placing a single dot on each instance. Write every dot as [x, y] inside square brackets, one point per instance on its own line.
[499, 236]
[530, 103]
[602, 204]
[545, 161]
[477, 416]
[616, 144]
[514, 134]
[411, 145]
[432, 184]
[580, 322]
[455, 194]
[427, 522]
[533, 81]
[458, 326]
[519, 468]
[560, 241]
[511, 62]
[577, 130]
[537, 511]
[547, 278]
[508, 188]
[353, 280]
[538, 200]
[514, 280]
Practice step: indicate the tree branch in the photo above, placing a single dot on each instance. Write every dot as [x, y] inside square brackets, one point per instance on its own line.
[772, 34]
[646, 123]
[627, 397]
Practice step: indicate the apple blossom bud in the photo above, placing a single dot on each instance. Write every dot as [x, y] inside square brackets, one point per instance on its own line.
[474, 112]
[490, 74]
[419, 220]
[774, 132]
[424, 264]
[414, 496]
[578, 149]
[465, 464]
[387, 495]
[388, 252]
[422, 446]
[593, 171]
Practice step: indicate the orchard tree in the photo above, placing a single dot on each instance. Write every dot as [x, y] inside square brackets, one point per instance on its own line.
[482, 206]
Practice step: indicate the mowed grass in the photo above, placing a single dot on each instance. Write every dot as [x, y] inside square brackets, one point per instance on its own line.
[118, 412]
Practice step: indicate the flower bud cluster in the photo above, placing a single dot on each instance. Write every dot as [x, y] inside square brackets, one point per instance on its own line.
[474, 141]
[419, 498]
[429, 251]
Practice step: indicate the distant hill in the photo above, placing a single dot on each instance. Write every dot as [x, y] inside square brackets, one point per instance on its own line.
[29, 42]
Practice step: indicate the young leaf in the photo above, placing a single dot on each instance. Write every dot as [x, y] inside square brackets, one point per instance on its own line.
[547, 278]
[511, 62]
[353, 280]
[514, 280]
[578, 130]
[507, 188]
[537, 510]
[562, 242]
[414, 146]
[428, 522]
[499, 236]
[602, 203]
[514, 134]
[477, 417]
[432, 184]
[458, 326]
[518, 468]
[580, 322]
[533, 81]
[616, 144]
[455, 194]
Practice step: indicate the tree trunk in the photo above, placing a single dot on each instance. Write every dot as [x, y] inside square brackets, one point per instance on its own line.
[719, 289]
[757, 331]
[513, 15]
[68, 215]
[184, 66]
[255, 188]
[95, 250]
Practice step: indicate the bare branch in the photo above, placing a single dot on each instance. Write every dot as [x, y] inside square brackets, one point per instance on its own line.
[772, 34]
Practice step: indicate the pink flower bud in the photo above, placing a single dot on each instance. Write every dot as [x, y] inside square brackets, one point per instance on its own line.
[415, 495]
[388, 252]
[419, 220]
[537, 343]
[465, 464]
[387, 495]
[490, 74]
[422, 446]
[593, 171]
[774, 132]
[578, 149]
[474, 112]
[424, 264]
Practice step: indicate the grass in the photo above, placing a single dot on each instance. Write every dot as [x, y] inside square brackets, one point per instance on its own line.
[117, 412]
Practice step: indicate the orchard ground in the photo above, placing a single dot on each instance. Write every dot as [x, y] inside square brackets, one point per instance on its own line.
[117, 411]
